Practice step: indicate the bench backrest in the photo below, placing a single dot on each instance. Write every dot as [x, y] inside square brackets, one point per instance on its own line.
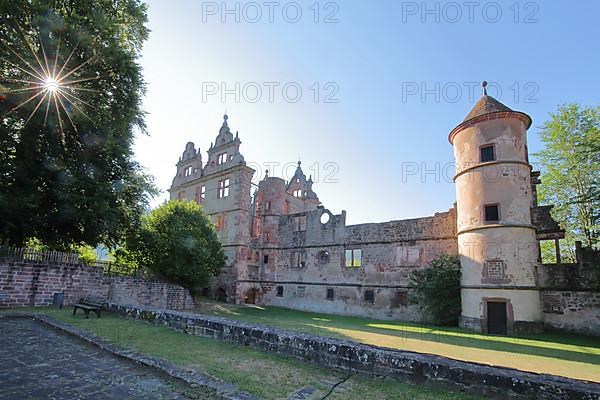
[92, 301]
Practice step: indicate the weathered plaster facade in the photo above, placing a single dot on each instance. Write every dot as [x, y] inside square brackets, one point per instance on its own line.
[285, 249]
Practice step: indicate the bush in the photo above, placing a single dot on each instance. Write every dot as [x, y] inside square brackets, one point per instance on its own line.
[437, 290]
[178, 243]
[87, 254]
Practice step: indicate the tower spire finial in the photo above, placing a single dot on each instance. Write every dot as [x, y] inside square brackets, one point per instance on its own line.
[484, 86]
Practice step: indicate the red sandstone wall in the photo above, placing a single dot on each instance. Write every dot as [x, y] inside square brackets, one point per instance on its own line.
[27, 285]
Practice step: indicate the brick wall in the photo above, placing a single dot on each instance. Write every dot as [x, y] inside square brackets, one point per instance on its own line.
[27, 285]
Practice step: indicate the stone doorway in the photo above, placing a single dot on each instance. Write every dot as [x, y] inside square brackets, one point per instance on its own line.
[497, 320]
[221, 294]
[250, 297]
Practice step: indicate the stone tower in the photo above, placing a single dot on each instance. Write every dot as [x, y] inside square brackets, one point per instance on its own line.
[497, 241]
[222, 187]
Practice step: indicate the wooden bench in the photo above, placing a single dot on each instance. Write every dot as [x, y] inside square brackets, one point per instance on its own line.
[88, 304]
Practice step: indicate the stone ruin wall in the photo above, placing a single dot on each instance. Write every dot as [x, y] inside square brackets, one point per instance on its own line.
[32, 285]
[570, 293]
[391, 251]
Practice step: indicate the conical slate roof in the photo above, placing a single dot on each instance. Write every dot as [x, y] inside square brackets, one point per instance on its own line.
[486, 105]
[489, 108]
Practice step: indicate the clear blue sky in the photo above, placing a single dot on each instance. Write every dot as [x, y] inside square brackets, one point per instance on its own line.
[378, 55]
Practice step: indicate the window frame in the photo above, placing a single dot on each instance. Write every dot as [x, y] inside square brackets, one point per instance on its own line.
[279, 291]
[223, 188]
[491, 221]
[353, 258]
[328, 296]
[222, 158]
[486, 146]
[300, 223]
[187, 171]
[369, 293]
[297, 259]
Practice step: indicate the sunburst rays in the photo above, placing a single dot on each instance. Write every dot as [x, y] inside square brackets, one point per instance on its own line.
[43, 85]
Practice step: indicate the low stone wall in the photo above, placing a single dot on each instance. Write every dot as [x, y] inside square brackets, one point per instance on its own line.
[493, 382]
[31, 285]
[141, 292]
[576, 311]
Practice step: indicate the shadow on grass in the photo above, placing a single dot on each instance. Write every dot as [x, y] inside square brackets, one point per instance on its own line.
[570, 347]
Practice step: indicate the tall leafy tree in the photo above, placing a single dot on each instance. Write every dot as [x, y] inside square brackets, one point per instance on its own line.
[570, 165]
[178, 243]
[67, 173]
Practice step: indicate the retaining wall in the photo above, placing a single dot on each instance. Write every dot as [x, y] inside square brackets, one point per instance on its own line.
[493, 382]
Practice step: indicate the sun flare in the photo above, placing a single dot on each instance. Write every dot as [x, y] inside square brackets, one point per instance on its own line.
[47, 81]
[51, 84]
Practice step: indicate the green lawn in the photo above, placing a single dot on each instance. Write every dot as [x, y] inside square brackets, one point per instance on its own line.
[564, 354]
[267, 375]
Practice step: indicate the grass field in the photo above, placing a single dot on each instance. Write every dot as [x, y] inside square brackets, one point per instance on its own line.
[563, 354]
[266, 375]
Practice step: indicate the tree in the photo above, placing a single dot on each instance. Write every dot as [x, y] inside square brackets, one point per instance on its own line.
[436, 289]
[570, 166]
[179, 244]
[67, 173]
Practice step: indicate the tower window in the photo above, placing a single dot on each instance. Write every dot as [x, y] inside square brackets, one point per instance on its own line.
[203, 192]
[266, 259]
[297, 193]
[279, 291]
[329, 294]
[267, 205]
[223, 188]
[222, 158]
[187, 171]
[487, 153]
[492, 213]
[353, 258]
